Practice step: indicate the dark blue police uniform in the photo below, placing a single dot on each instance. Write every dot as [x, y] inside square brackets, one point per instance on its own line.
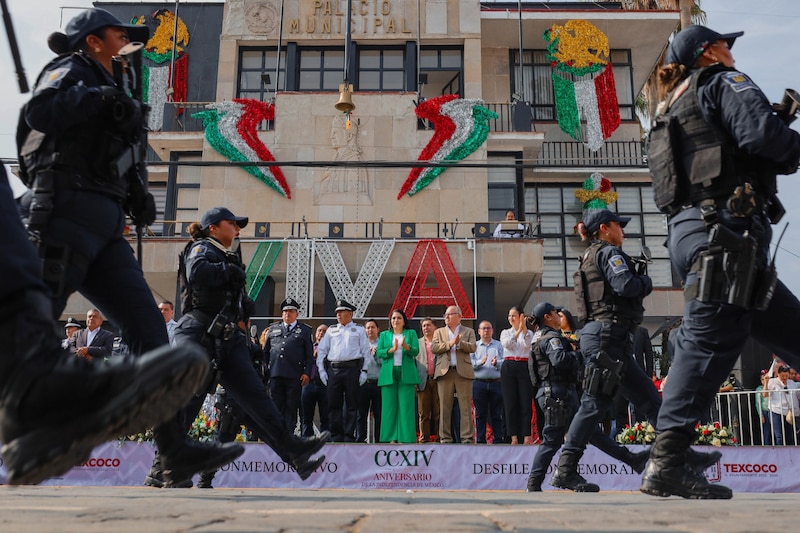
[214, 284]
[291, 355]
[85, 226]
[728, 147]
[614, 292]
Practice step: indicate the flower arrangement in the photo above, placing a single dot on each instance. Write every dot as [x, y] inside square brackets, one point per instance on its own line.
[139, 438]
[639, 433]
[714, 434]
[204, 429]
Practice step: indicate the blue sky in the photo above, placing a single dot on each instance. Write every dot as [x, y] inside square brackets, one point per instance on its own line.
[768, 52]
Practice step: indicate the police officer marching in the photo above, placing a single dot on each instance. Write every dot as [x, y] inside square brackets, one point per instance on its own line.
[290, 349]
[554, 369]
[72, 138]
[345, 350]
[213, 298]
[715, 150]
[609, 294]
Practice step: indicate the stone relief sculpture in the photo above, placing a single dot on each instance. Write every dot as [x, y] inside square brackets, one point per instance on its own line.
[344, 185]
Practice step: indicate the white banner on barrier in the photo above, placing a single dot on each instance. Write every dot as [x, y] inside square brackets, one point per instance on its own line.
[431, 467]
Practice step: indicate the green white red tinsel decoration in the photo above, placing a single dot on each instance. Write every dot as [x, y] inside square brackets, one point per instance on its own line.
[231, 129]
[460, 127]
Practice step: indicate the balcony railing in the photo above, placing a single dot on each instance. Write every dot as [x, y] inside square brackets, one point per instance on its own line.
[178, 117]
[576, 154]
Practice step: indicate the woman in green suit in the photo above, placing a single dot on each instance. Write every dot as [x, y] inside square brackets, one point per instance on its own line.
[398, 348]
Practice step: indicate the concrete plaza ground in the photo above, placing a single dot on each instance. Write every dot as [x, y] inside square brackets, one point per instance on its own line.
[140, 509]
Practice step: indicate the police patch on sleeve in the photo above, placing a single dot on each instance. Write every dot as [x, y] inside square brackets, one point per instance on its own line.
[617, 264]
[738, 81]
[53, 79]
[196, 250]
[555, 344]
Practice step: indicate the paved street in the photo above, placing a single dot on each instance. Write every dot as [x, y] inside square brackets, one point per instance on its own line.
[124, 509]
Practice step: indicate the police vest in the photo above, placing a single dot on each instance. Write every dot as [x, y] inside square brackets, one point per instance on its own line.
[204, 298]
[692, 160]
[596, 300]
[83, 155]
[542, 369]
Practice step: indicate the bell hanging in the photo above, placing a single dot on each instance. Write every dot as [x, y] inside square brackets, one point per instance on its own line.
[345, 103]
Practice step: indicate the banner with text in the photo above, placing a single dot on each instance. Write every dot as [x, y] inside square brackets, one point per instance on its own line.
[432, 467]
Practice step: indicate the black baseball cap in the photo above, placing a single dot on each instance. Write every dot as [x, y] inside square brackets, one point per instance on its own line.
[541, 309]
[215, 215]
[95, 19]
[690, 43]
[602, 216]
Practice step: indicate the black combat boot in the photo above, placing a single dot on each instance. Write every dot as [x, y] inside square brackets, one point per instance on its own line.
[204, 482]
[637, 461]
[300, 449]
[55, 407]
[155, 478]
[667, 473]
[566, 475]
[699, 461]
[180, 464]
[535, 482]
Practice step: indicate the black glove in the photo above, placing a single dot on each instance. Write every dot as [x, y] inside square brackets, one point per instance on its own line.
[236, 275]
[141, 208]
[119, 109]
[641, 268]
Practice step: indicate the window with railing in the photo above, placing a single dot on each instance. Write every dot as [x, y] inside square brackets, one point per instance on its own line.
[557, 211]
[534, 83]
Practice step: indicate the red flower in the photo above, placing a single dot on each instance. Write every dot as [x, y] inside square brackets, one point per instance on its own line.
[631, 437]
[638, 427]
[716, 425]
[706, 432]
[697, 426]
[627, 426]
[208, 423]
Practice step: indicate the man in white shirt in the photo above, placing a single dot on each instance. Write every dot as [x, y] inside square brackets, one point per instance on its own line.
[783, 406]
[168, 312]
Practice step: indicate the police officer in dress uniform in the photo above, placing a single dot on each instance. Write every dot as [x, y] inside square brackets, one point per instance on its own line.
[346, 349]
[718, 146]
[72, 137]
[610, 292]
[290, 349]
[212, 289]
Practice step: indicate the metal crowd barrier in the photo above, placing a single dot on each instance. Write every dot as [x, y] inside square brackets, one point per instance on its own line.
[775, 423]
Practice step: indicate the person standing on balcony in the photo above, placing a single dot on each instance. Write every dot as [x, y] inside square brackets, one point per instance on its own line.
[511, 217]
[715, 151]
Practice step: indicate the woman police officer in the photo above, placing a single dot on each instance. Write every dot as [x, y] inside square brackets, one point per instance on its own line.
[71, 133]
[611, 291]
[724, 147]
[213, 302]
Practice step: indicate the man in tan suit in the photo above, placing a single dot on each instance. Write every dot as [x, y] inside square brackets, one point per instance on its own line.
[452, 345]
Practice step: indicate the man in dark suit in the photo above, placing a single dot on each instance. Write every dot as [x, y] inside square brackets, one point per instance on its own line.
[92, 341]
[290, 348]
[453, 345]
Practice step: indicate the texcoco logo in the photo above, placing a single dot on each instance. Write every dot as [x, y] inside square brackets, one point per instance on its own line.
[99, 462]
[403, 457]
[749, 468]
